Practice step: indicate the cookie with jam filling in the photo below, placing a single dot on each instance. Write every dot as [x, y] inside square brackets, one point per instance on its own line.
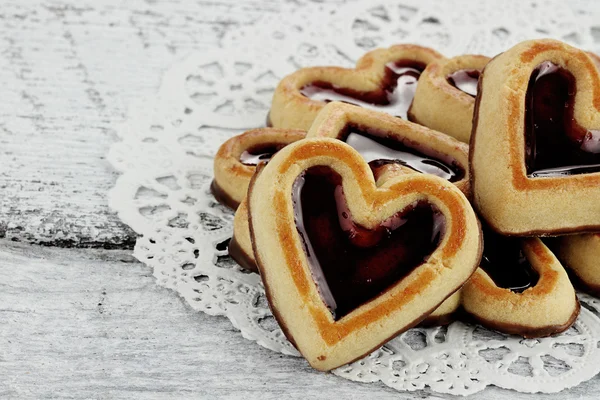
[520, 288]
[236, 160]
[535, 147]
[347, 264]
[445, 96]
[383, 80]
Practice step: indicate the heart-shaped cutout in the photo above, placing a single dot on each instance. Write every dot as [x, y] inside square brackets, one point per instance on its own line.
[445, 96]
[556, 145]
[384, 80]
[516, 117]
[350, 263]
[286, 270]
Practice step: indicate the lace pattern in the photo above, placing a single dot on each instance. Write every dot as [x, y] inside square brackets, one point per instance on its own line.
[165, 157]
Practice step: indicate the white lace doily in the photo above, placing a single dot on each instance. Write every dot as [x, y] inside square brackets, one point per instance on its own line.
[165, 157]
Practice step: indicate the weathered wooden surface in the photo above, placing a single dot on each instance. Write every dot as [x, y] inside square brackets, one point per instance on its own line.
[93, 324]
[68, 71]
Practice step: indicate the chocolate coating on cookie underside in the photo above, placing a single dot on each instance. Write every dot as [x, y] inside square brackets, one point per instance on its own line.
[349, 263]
[555, 144]
[222, 196]
[394, 95]
[377, 148]
[504, 261]
[465, 80]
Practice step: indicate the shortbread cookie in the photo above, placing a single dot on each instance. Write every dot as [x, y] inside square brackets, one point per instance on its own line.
[445, 96]
[348, 265]
[236, 161]
[518, 278]
[535, 149]
[520, 288]
[383, 80]
[580, 254]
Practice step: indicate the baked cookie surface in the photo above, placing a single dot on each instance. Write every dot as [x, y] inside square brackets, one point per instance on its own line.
[535, 148]
[383, 80]
[445, 96]
[240, 246]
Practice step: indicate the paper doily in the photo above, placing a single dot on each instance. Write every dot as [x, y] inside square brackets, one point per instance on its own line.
[165, 157]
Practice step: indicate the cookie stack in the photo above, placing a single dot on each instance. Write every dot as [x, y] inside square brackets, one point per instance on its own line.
[366, 213]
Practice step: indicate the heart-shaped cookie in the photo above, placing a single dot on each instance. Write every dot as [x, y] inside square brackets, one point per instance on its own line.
[535, 147]
[383, 80]
[521, 288]
[237, 158]
[402, 248]
[445, 96]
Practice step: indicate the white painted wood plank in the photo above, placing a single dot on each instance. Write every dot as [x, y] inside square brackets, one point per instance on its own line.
[93, 324]
[68, 72]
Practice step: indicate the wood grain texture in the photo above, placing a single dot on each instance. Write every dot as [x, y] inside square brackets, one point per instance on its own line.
[93, 324]
[69, 70]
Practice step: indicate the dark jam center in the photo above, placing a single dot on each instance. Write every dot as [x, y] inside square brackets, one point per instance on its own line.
[505, 263]
[258, 153]
[394, 96]
[377, 149]
[555, 144]
[465, 80]
[352, 264]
